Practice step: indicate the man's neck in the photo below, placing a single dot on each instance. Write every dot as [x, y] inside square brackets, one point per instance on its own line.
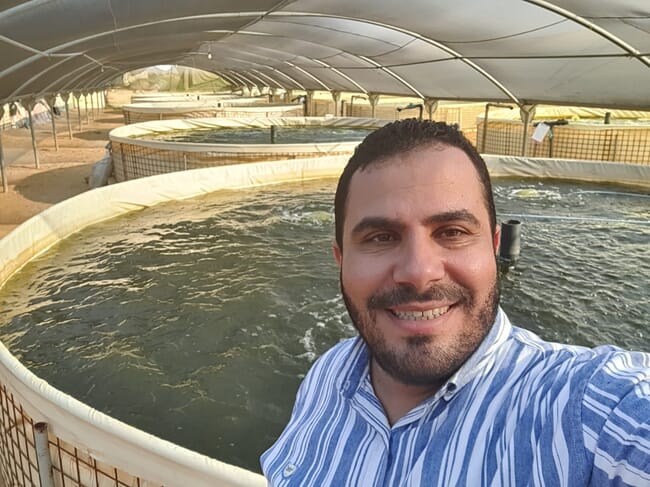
[396, 397]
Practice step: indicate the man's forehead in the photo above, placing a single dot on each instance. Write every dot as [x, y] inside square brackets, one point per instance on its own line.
[431, 162]
[433, 158]
[434, 178]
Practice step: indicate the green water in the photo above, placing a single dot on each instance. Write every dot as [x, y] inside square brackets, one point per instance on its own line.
[283, 135]
[196, 320]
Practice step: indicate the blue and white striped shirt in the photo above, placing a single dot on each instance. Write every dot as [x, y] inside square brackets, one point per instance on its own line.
[519, 412]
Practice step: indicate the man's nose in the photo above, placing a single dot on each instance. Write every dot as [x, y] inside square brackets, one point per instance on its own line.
[420, 262]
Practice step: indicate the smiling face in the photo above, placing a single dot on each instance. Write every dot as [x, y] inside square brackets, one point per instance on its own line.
[418, 269]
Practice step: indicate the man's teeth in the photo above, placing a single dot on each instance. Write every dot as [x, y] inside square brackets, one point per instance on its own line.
[429, 314]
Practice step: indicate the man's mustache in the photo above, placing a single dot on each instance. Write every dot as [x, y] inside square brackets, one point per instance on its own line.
[406, 293]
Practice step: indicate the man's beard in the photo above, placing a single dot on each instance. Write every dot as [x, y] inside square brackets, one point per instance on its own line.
[419, 360]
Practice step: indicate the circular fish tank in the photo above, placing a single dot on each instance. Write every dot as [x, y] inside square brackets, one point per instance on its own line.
[208, 312]
[229, 108]
[180, 97]
[149, 148]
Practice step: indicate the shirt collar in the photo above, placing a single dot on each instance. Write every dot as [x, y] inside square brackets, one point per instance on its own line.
[359, 368]
[479, 362]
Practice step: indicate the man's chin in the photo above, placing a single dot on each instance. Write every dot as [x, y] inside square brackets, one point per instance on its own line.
[418, 341]
[418, 362]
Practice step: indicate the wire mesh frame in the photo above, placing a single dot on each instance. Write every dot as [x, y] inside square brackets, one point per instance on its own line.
[598, 143]
[73, 468]
[131, 161]
[18, 466]
[70, 466]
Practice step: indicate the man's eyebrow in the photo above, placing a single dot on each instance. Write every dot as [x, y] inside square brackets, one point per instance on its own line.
[380, 222]
[375, 222]
[456, 215]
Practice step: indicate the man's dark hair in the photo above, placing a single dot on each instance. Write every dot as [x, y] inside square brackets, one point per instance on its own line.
[400, 137]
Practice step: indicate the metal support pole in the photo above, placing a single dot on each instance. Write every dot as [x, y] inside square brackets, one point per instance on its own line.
[67, 115]
[52, 101]
[43, 459]
[92, 106]
[5, 185]
[336, 97]
[30, 106]
[373, 98]
[527, 113]
[308, 102]
[485, 124]
[432, 106]
[78, 97]
[86, 107]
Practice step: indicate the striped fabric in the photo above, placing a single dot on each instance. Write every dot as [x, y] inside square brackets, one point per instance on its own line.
[520, 412]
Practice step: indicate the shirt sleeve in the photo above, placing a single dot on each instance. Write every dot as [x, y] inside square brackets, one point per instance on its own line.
[616, 421]
[317, 395]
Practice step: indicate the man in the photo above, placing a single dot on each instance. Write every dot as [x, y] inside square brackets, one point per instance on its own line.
[440, 389]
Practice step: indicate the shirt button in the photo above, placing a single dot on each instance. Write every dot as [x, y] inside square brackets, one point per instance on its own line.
[289, 470]
[451, 390]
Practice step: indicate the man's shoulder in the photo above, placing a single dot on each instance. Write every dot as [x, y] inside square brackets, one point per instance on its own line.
[621, 366]
[542, 361]
[341, 351]
[339, 360]
[577, 363]
[345, 346]
[532, 344]
[327, 378]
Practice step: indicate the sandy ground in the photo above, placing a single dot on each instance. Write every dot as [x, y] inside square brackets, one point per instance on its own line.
[62, 174]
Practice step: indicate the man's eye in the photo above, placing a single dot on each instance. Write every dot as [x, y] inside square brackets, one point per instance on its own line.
[380, 238]
[452, 233]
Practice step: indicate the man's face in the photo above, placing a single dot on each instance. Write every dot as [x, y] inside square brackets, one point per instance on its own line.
[418, 267]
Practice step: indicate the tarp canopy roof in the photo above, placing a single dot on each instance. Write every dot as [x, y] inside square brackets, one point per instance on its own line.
[578, 52]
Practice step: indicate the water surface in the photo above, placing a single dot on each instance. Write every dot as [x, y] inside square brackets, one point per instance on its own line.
[196, 320]
[282, 135]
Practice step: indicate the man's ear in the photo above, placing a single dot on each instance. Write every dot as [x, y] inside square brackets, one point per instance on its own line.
[338, 255]
[497, 239]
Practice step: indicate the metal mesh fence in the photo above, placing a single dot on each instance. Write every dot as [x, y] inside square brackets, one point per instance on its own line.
[464, 114]
[70, 467]
[131, 161]
[18, 465]
[134, 155]
[616, 143]
[74, 468]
